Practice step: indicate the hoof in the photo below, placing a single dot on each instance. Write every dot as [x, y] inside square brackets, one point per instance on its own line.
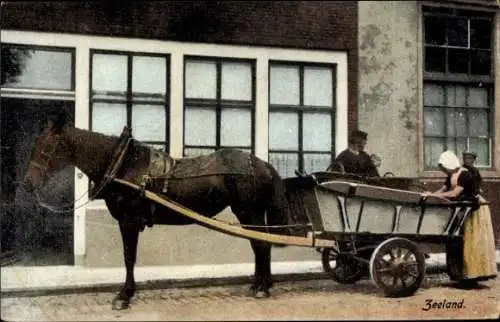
[261, 294]
[252, 291]
[120, 304]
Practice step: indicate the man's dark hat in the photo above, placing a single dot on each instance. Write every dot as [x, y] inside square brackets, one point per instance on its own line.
[359, 134]
[465, 153]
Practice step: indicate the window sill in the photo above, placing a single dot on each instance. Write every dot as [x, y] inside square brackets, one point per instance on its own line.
[485, 174]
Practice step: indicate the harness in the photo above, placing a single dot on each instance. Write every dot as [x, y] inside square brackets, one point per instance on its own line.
[119, 153]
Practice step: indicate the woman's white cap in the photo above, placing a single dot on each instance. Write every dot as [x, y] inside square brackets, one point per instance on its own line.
[449, 160]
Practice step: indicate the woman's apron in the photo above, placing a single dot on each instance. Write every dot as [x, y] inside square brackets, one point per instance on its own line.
[478, 254]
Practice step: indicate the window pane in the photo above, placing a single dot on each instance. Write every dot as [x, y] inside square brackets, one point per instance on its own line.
[194, 152]
[479, 123]
[482, 149]
[456, 123]
[432, 150]
[149, 122]
[317, 132]
[435, 30]
[149, 75]
[34, 68]
[109, 74]
[457, 145]
[236, 81]
[199, 126]
[458, 61]
[318, 86]
[109, 118]
[316, 162]
[236, 127]
[458, 32]
[201, 79]
[283, 131]
[434, 122]
[433, 95]
[480, 33]
[285, 163]
[284, 85]
[481, 62]
[456, 96]
[478, 97]
[435, 59]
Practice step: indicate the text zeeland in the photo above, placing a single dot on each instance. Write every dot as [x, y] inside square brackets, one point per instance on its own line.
[431, 304]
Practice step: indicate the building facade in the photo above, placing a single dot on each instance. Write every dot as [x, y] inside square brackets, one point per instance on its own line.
[285, 80]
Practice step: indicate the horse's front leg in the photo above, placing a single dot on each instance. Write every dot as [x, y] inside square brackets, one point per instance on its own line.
[130, 236]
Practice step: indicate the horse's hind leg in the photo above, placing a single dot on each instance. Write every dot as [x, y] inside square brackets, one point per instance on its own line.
[130, 236]
[262, 278]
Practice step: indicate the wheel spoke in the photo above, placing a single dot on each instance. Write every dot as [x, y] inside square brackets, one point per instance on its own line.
[403, 282]
[407, 255]
[391, 254]
[394, 280]
[383, 262]
[413, 274]
[384, 270]
[399, 252]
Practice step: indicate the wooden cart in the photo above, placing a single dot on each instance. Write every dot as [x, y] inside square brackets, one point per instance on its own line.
[364, 228]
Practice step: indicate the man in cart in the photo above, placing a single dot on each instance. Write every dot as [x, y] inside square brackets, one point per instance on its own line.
[354, 159]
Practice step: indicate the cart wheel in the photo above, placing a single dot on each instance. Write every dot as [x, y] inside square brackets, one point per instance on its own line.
[397, 266]
[347, 270]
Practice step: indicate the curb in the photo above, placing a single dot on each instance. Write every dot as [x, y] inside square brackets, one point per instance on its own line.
[157, 284]
[433, 267]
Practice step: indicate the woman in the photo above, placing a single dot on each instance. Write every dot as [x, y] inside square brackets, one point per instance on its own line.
[474, 259]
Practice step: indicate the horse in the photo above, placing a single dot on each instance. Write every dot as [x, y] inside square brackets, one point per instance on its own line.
[251, 187]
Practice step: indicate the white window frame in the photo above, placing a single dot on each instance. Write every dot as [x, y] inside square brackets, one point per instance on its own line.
[177, 50]
[218, 105]
[302, 110]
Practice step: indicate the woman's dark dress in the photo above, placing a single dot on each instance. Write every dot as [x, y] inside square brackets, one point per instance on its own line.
[465, 180]
[454, 249]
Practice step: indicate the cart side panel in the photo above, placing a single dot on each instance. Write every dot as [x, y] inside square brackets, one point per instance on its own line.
[408, 220]
[434, 221]
[330, 210]
[377, 216]
[353, 208]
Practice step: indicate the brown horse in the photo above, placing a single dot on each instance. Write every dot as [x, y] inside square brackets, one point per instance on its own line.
[208, 184]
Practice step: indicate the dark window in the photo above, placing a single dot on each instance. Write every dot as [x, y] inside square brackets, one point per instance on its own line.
[131, 89]
[458, 42]
[219, 105]
[458, 84]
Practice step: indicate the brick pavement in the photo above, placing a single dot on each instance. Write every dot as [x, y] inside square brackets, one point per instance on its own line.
[299, 300]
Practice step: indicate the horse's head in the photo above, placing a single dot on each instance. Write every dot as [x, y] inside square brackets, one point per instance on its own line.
[49, 154]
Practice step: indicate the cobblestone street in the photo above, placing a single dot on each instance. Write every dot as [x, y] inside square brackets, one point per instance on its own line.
[300, 300]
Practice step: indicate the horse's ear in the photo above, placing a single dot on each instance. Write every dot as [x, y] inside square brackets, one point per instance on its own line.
[59, 122]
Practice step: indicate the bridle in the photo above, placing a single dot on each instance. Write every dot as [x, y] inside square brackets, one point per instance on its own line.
[42, 165]
[46, 155]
